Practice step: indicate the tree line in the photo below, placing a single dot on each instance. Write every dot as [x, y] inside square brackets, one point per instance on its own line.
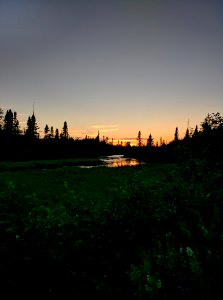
[27, 143]
[9, 127]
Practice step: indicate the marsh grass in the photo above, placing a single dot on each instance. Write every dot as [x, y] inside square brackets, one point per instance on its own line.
[147, 232]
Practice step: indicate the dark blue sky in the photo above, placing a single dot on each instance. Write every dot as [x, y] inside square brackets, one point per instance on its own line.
[118, 66]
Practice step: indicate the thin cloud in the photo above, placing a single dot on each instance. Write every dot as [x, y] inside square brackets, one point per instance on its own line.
[105, 130]
[104, 126]
[77, 130]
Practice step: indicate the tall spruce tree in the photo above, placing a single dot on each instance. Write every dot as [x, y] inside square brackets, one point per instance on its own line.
[51, 132]
[16, 127]
[176, 135]
[46, 132]
[32, 128]
[56, 134]
[64, 133]
[187, 135]
[196, 133]
[139, 139]
[8, 123]
[150, 142]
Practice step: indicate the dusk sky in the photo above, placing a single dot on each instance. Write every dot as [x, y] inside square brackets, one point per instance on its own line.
[118, 66]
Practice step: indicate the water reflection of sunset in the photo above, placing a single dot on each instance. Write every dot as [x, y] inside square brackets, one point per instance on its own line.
[123, 163]
[114, 161]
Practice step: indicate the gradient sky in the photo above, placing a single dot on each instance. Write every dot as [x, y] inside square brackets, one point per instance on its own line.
[119, 66]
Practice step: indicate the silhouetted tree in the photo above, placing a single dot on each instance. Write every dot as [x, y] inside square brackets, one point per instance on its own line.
[212, 121]
[195, 133]
[51, 132]
[11, 124]
[187, 135]
[32, 128]
[64, 133]
[46, 132]
[176, 135]
[1, 118]
[8, 123]
[139, 139]
[211, 137]
[56, 134]
[150, 142]
[16, 128]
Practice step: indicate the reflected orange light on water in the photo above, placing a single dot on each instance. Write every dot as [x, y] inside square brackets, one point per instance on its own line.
[114, 161]
[123, 163]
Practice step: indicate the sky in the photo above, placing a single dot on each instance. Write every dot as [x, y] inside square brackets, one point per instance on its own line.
[117, 66]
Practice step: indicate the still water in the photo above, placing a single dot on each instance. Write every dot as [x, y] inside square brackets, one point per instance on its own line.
[114, 161]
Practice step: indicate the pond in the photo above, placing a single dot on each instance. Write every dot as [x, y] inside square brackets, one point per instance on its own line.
[114, 161]
[118, 161]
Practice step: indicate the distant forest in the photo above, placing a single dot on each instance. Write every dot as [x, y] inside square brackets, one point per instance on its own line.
[205, 141]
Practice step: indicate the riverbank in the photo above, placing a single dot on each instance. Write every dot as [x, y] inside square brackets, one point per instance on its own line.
[47, 164]
[110, 161]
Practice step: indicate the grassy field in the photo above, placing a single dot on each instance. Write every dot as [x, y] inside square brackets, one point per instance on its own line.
[152, 231]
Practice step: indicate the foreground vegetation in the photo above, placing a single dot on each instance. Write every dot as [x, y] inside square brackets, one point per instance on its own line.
[148, 232]
[153, 231]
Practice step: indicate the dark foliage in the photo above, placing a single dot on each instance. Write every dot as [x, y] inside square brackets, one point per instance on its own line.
[204, 144]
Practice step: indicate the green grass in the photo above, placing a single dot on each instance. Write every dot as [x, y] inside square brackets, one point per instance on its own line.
[146, 232]
[95, 183]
